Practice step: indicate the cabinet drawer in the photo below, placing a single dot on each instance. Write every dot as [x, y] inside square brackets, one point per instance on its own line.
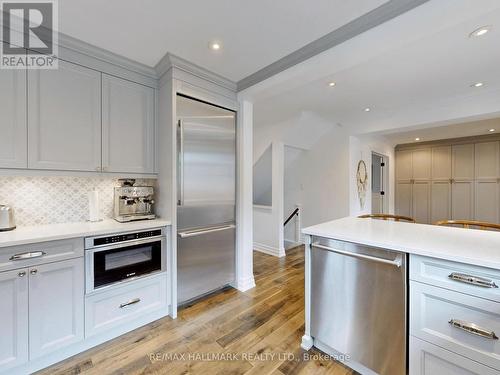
[110, 308]
[432, 310]
[464, 278]
[39, 253]
[429, 359]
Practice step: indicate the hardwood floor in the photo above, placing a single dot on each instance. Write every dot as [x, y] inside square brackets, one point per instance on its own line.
[256, 332]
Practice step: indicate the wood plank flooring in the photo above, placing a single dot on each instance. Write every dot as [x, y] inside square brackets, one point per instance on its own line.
[256, 332]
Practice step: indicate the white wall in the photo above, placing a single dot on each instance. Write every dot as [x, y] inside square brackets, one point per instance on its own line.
[321, 172]
[361, 148]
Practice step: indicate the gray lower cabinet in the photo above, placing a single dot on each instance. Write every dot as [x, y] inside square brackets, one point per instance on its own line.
[56, 306]
[440, 200]
[64, 118]
[42, 310]
[462, 200]
[13, 319]
[128, 125]
[13, 128]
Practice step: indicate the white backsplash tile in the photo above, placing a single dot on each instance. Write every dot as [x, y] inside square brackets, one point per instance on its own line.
[50, 200]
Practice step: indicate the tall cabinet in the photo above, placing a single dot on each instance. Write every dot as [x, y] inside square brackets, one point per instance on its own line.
[449, 181]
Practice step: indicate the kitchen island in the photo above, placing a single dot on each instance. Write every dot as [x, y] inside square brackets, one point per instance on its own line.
[384, 297]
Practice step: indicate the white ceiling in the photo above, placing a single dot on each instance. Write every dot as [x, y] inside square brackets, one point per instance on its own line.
[463, 129]
[253, 33]
[413, 70]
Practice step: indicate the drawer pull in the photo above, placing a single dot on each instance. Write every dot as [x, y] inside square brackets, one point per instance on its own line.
[474, 280]
[30, 255]
[473, 329]
[131, 302]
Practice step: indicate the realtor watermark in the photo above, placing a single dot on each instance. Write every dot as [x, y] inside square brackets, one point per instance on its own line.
[245, 356]
[29, 34]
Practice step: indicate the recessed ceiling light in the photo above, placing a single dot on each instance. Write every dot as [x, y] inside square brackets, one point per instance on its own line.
[331, 84]
[417, 139]
[480, 31]
[491, 130]
[367, 109]
[477, 84]
[214, 46]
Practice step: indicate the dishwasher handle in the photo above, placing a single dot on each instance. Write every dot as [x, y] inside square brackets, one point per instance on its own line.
[397, 262]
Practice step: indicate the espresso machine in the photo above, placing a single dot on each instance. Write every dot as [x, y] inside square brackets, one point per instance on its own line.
[133, 202]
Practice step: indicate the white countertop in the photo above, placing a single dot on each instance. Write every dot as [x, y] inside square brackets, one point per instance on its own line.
[51, 232]
[469, 246]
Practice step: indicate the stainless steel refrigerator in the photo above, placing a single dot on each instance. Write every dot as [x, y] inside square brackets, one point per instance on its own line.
[206, 196]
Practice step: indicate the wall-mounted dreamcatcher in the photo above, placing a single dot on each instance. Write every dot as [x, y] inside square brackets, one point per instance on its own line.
[362, 182]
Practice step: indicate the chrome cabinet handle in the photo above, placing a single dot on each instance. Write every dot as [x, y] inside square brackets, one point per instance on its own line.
[131, 302]
[398, 262]
[473, 329]
[200, 232]
[30, 255]
[34, 271]
[21, 274]
[473, 280]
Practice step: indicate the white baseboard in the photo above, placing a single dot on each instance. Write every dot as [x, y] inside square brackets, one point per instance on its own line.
[245, 284]
[269, 250]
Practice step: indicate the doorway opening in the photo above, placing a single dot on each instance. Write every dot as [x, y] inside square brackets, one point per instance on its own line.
[380, 184]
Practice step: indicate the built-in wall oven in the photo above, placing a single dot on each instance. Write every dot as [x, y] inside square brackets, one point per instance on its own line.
[123, 257]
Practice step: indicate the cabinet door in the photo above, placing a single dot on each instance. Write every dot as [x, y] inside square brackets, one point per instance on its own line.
[487, 202]
[462, 161]
[421, 197]
[13, 318]
[128, 126]
[441, 163]
[403, 165]
[56, 306]
[13, 132]
[462, 200]
[440, 201]
[486, 160]
[421, 161]
[64, 118]
[429, 359]
[403, 198]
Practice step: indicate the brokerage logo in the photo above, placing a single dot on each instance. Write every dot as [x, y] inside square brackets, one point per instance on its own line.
[29, 34]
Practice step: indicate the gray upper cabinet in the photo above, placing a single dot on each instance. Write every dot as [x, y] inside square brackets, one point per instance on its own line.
[64, 118]
[462, 166]
[13, 149]
[404, 165]
[441, 163]
[486, 160]
[128, 126]
[421, 164]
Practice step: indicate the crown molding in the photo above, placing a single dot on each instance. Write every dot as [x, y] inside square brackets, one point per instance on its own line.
[170, 61]
[375, 17]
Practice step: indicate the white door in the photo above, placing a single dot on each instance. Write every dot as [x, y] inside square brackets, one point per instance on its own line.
[128, 126]
[64, 118]
[13, 318]
[13, 131]
[378, 184]
[56, 300]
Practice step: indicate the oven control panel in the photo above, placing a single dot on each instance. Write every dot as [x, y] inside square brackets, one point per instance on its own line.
[109, 240]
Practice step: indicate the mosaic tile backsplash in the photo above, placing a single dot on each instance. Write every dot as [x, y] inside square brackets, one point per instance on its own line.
[51, 200]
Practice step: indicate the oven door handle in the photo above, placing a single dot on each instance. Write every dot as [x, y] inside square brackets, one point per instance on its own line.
[200, 232]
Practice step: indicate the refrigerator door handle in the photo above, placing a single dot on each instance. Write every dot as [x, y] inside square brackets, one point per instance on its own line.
[180, 164]
[200, 232]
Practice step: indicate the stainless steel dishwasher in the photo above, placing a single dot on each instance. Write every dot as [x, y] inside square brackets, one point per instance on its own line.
[358, 305]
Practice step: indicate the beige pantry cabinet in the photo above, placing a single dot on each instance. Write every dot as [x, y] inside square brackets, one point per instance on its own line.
[449, 181]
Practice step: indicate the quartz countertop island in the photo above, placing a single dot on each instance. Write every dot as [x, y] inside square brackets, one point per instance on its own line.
[470, 246]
